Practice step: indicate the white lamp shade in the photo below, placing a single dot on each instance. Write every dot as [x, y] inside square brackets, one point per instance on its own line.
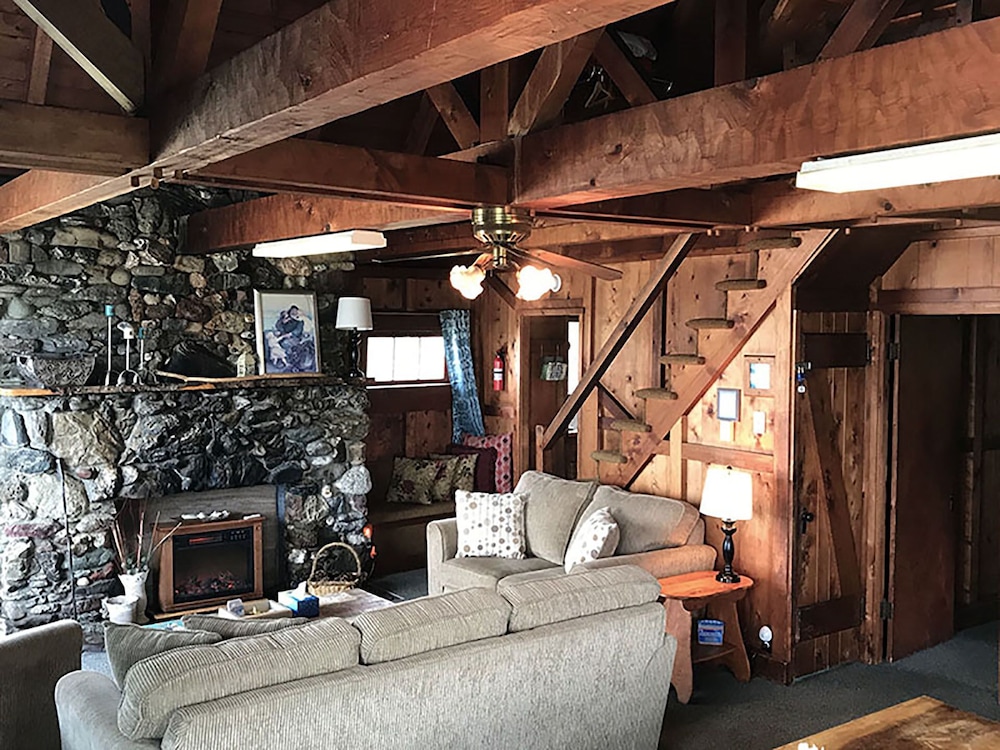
[354, 314]
[727, 494]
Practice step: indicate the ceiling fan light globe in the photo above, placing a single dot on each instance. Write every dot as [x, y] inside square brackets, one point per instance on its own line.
[467, 280]
[534, 283]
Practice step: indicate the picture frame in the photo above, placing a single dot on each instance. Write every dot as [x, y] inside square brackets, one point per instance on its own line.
[727, 407]
[759, 375]
[287, 328]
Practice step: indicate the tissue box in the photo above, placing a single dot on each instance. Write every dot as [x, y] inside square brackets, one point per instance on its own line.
[301, 604]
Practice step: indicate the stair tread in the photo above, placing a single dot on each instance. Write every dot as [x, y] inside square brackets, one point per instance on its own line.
[704, 324]
[682, 359]
[630, 425]
[609, 457]
[661, 394]
[733, 285]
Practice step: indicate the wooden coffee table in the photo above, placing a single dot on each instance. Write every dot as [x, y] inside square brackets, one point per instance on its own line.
[693, 591]
[350, 603]
[919, 723]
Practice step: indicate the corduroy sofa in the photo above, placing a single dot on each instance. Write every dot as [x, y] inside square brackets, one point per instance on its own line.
[661, 535]
[580, 662]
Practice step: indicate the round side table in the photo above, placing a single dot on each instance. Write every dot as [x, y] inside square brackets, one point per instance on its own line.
[689, 592]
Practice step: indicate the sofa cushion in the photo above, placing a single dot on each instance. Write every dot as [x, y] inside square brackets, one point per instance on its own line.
[230, 628]
[485, 572]
[504, 446]
[420, 480]
[490, 524]
[431, 623]
[646, 522]
[595, 538]
[128, 644]
[547, 600]
[553, 507]
[463, 470]
[486, 465]
[156, 687]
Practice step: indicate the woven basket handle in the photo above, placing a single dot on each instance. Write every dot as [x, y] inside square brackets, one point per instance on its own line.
[324, 548]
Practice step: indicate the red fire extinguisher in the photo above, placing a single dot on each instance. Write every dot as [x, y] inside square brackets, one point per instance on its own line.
[498, 369]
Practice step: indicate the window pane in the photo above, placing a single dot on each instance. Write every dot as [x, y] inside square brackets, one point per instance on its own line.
[379, 365]
[407, 359]
[432, 358]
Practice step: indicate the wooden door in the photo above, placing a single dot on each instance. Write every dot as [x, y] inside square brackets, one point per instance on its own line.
[547, 339]
[924, 472]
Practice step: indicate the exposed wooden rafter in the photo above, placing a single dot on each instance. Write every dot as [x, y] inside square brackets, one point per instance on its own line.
[281, 217]
[494, 102]
[422, 128]
[87, 35]
[860, 28]
[622, 72]
[305, 166]
[38, 75]
[450, 105]
[39, 195]
[771, 125]
[550, 83]
[185, 41]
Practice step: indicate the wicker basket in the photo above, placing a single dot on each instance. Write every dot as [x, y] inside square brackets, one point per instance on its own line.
[328, 588]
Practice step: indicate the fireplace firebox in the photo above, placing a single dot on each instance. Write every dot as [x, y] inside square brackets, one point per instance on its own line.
[208, 563]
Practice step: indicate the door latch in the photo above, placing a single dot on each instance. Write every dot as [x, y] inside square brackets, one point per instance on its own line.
[805, 518]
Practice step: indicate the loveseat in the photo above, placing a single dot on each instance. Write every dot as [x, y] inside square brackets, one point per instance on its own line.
[578, 662]
[662, 535]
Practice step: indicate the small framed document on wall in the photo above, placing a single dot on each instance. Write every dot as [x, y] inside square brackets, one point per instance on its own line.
[727, 407]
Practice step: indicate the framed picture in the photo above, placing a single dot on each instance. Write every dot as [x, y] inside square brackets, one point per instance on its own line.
[727, 407]
[759, 370]
[287, 332]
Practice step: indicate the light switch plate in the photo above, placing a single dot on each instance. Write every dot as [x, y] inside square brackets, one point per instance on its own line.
[759, 422]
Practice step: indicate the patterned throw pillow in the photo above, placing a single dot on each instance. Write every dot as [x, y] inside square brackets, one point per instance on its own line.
[420, 480]
[486, 465]
[463, 470]
[596, 538]
[504, 448]
[490, 525]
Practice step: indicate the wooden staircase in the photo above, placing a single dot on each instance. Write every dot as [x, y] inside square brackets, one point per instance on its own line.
[719, 340]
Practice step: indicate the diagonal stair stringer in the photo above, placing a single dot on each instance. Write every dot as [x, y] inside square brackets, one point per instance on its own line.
[748, 309]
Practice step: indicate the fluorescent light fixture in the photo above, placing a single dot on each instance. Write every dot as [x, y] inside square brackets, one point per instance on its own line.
[960, 159]
[321, 244]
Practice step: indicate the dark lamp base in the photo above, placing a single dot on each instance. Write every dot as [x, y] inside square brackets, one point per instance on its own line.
[729, 576]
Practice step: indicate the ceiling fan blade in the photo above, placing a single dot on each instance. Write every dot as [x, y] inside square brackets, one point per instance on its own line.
[571, 264]
[408, 257]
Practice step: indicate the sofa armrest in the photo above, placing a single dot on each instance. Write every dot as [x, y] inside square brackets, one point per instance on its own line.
[87, 703]
[663, 563]
[442, 545]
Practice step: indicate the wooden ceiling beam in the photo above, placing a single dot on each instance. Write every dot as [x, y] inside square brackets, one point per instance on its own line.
[457, 117]
[40, 195]
[285, 216]
[550, 83]
[679, 208]
[422, 128]
[304, 166]
[622, 72]
[930, 88]
[344, 58]
[41, 60]
[494, 102]
[87, 35]
[859, 29]
[731, 34]
[185, 42]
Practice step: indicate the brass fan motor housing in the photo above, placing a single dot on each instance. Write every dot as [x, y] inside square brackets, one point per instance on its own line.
[500, 227]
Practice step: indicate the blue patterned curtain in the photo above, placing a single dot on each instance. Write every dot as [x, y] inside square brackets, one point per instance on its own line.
[466, 415]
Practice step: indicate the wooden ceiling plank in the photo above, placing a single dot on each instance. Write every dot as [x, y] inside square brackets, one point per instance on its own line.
[87, 35]
[41, 60]
[422, 128]
[40, 195]
[185, 42]
[305, 166]
[622, 72]
[550, 83]
[281, 217]
[769, 126]
[461, 124]
[860, 28]
[494, 102]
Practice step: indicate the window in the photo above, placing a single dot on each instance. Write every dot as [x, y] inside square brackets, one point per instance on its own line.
[405, 359]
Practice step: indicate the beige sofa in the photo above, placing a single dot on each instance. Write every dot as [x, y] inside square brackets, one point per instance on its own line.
[577, 662]
[661, 535]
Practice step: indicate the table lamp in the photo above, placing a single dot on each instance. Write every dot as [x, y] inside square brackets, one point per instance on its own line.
[354, 314]
[728, 495]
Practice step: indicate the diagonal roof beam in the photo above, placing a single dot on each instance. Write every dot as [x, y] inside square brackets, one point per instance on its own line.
[185, 42]
[345, 58]
[929, 88]
[87, 35]
[860, 28]
[622, 72]
[461, 124]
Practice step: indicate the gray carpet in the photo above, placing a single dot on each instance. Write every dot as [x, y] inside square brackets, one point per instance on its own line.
[761, 714]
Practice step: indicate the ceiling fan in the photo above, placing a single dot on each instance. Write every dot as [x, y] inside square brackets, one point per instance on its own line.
[503, 229]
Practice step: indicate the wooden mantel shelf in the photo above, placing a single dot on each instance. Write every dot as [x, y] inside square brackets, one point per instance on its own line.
[184, 385]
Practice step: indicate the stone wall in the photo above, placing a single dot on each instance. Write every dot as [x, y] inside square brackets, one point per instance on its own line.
[98, 449]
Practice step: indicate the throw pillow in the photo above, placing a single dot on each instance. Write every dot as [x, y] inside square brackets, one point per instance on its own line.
[127, 644]
[504, 448]
[597, 537]
[486, 465]
[463, 470]
[229, 628]
[419, 480]
[490, 525]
